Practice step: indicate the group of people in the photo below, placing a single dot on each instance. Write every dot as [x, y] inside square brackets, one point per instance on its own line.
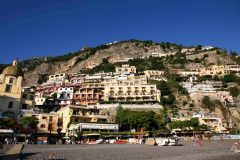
[9, 140]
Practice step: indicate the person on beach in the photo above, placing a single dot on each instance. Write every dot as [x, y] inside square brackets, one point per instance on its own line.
[238, 142]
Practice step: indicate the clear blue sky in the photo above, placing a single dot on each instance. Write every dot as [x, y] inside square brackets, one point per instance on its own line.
[30, 28]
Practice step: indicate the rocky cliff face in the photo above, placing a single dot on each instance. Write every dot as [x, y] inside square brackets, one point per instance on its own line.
[90, 57]
[93, 56]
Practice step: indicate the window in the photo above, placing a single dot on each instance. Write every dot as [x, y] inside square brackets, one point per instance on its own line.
[44, 117]
[24, 106]
[11, 80]
[10, 104]
[31, 97]
[62, 95]
[8, 88]
[42, 126]
[50, 119]
[50, 127]
[24, 96]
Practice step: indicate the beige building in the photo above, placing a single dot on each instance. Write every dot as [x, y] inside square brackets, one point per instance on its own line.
[219, 70]
[125, 68]
[125, 80]
[57, 77]
[214, 123]
[27, 101]
[188, 73]
[47, 123]
[233, 68]
[80, 114]
[141, 92]
[11, 89]
[153, 73]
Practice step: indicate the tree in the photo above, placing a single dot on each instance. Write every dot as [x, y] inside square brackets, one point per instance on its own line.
[163, 87]
[230, 78]
[79, 136]
[234, 91]
[199, 47]
[206, 101]
[162, 118]
[233, 54]
[105, 61]
[128, 119]
[168, 100]
[7, 123]
[30, 123]
[54, 96]
[193, 123]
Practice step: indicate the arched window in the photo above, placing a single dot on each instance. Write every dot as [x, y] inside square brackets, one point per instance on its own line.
[10, 104]
[42, 126]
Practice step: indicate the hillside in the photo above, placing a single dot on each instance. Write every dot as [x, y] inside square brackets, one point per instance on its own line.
[92, 57]
[88, 57]
[145, 55]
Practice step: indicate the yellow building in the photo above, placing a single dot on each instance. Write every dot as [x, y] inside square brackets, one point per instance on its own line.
[11, 89]
[219, 70]
[141, 92]
[153, 73]
[80, 114]
[125, 68]
[47, 123]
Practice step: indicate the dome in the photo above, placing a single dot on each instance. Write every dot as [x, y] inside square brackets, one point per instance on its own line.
[14, 70]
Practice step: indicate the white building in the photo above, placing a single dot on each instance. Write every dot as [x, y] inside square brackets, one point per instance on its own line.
[207, 47]
[159, 54]
[57, 77]
[225, 97]
[39, 101]
[199, 87]
[65, 93]
[188, 50]
[94, 126]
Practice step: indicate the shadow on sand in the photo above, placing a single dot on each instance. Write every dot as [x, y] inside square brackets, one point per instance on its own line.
[25, 156]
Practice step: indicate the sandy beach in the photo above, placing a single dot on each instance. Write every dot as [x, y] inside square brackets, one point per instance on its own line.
[213, 150]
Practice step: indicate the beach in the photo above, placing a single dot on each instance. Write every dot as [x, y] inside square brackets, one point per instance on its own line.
[213, 150]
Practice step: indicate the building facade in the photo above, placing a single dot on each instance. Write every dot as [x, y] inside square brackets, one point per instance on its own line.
[80, 114]
[136, 92]
[125, 68]
[11, 89]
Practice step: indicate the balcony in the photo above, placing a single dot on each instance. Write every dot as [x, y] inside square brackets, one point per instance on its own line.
[90, 116]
